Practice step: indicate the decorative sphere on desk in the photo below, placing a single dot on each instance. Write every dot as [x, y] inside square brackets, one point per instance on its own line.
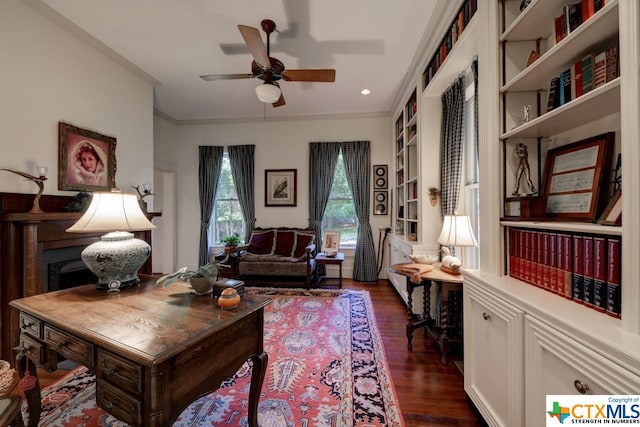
[229, 299]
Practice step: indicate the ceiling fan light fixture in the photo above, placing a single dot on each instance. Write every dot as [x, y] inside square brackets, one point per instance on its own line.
[268, 93]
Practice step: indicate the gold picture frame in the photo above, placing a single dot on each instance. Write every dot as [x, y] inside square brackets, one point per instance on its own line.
[86, 159]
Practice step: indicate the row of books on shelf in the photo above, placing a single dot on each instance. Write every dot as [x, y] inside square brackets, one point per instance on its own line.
[587, 73]
[574, 14]
[460, 22]
[578, 266]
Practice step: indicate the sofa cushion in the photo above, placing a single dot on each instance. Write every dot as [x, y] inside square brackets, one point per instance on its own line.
[302, 241]
[261, 242]
[285, 242]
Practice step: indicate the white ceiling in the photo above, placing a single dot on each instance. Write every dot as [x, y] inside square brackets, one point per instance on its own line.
[370, 43]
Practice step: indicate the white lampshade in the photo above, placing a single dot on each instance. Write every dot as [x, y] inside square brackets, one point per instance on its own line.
[456, 231]
[268, 93]
[113, 211]
[117, 257]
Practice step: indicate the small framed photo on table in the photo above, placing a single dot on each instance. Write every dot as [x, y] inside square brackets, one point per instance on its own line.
[330, 242]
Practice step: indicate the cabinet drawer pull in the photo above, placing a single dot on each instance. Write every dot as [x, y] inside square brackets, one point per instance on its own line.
[581, 387]
[113, 371]
[486, 316]
[111, 404]
[27, 325]
[61, 344]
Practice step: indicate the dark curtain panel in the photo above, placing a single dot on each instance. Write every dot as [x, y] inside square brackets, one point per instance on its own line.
[323, 157]
[357, 164]
[210, 163]
[242, 169]
[451, 146]
[474, 68]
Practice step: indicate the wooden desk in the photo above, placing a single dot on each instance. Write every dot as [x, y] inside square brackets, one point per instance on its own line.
[445, 283]
[153, 350]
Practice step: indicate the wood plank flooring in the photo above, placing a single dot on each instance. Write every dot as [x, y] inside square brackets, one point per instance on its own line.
[430, 393]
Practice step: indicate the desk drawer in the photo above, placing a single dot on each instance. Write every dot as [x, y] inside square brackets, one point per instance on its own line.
[69, 346]
[30, 325]
[35, 349]
[119, 403]
[119, 371]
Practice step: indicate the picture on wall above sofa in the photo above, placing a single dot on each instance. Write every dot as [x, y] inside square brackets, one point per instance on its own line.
[86, 159]
[280, 187]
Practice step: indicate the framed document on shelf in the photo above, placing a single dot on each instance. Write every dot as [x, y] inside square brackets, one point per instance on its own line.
[575, 175]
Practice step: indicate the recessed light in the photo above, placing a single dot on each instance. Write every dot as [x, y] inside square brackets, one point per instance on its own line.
[365, 92]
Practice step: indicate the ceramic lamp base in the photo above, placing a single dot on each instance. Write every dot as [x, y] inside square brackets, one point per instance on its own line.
[116, 259]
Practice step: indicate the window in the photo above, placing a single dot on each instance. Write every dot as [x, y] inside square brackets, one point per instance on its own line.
[340, 214]
[471, 172]
[226, 217]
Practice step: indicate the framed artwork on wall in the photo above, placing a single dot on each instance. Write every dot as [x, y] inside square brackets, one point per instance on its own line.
[86, 159]
[280, 187]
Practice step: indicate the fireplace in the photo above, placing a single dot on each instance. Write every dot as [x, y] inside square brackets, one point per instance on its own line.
[63, 268]
[25, 240]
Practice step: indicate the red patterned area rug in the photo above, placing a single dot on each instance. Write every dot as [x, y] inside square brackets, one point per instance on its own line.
[327, 367]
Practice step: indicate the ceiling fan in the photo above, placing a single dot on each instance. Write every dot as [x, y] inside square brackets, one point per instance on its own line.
[269, 69]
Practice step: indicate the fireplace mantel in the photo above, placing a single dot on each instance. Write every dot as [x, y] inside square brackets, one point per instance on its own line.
[24, 237]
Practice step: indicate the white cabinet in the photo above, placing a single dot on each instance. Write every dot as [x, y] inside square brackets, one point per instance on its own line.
[493, 372]
[522, 344]
[556, 364]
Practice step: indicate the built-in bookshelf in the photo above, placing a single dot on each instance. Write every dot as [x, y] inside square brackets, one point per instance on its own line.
[544, 98]
[406, 171]
[449, 40]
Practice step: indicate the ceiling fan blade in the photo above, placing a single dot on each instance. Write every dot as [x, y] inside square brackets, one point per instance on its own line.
[280, 102]
[211, 77]
[309, 75]
[256, 46]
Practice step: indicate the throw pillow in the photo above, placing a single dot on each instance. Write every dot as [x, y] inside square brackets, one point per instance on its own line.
[261, 243]
[302, 241]
[285, 241]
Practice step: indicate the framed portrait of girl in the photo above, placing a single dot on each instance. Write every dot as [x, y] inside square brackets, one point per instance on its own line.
[86, 159]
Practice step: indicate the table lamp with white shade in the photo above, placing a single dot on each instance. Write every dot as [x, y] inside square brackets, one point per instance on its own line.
[456, 231]
[117, 257]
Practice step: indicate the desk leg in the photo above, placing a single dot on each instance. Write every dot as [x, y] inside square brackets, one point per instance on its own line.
[257, 377]
[409, 313]
[444, 321]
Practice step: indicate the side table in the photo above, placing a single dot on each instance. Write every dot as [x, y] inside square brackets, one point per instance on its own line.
[323, 259]
[437, 328]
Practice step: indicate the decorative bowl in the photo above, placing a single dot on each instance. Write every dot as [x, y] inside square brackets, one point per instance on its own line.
[202, 285]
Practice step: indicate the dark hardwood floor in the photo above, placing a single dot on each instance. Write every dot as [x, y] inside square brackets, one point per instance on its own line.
[430, 393]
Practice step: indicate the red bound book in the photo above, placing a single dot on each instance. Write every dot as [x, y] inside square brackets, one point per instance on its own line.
[539, 259]
[567, 255]
[613, 277]
[576, 87]
[578, 278]
[526, 256]
[546, 254]
[553, 263]
[600, 273]
[512, 252]
[588, 270]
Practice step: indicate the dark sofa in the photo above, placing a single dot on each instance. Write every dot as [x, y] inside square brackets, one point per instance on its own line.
[277, 257]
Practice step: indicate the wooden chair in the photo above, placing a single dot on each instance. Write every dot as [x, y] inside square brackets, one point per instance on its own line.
[12, 415]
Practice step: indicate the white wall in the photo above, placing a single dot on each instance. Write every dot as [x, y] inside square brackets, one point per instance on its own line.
[49, 74]
[280, 144]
